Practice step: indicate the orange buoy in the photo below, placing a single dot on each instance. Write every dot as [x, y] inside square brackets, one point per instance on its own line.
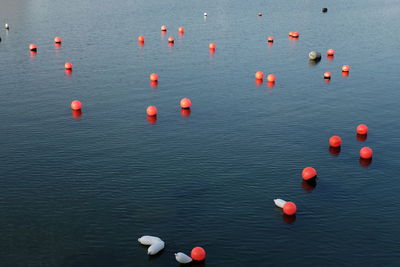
[171, 40]
[198, 254]
[327, 75]
[366, 152]
[212, 46]
[270, 39]
[295, 34]
[308, 173]
[141, 39]
[335, 141]
[290, 34]
[271, 77]
[185, 103]
[345, 68]
[181, 30]
[330, 52]
[153, 77]
[362, 129]
[163, 28]
[260, 14]
[259, 75]
[57, 40]
[33, 47]
[289, 208]
[76, 105]
[151, 110]
[68, 66]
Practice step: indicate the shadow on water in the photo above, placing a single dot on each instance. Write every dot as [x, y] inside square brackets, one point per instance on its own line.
[309, 185]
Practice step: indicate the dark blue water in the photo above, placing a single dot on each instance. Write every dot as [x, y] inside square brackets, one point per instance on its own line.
[79, 191]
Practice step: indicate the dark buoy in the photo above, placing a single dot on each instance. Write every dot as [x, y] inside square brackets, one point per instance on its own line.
[324, 10]
[314, 55]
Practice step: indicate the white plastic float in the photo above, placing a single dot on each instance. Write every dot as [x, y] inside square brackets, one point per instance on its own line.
[182, 258]
[155, 243]
[280, 202]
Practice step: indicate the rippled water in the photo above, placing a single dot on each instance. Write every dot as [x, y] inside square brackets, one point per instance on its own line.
[80, 191]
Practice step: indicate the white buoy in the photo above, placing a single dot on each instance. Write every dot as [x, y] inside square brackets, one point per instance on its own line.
[155, 248]
[280, 202]
[7, 27]
[205, 14]
[182, 258]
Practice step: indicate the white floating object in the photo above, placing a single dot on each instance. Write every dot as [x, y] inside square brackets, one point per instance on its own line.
[155, 248]
[149, 240]
[6, 26]
[205, 14]
[182, 258]
[279, 202]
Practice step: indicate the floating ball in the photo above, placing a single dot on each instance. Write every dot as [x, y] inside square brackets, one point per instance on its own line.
[362, 129]
[260, 14]
[198, 254]
[212, 45]
[366, 152]
[295, 34]
[33, 47]
[141, 39]
[308, 173]
[289, 208]
[345, 68]
[205, 14]
[76, 105]
[164, 28]
[324, 9]
[314, 55]
[290, 34]
[68, 66]
[327, 75]
[270, 39]
[171, 40]
[259, 75]
[181, 30]
[151, 110]
[185, 103]
[335, 141]
[271, 77]
[57, 40]
[153, 77]
[330, 52]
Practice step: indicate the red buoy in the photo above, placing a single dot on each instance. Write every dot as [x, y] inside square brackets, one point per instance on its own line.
[57, 40]
[151, 110]
[68, 66]
[362, 129]
[198, 254]
[76, 105]
[335, 141]
[141, 39]
[330, 52]
[290, 34]
[212, 46]
[270, 39]
[259, 75]
[271, 77]
[260, 14]
[153, 77]
[181, 30]
[366, 152]
[345, 68]
[33, 47]
[327, 75]
[308, 173]
[171, 40]
[163, 28]
[185, 103]
[289, 208]
[295, 34]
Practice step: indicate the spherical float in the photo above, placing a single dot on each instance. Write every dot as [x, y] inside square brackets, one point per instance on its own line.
[324, 10]
[181, 30]
[362, 129]
[366, 152]
[259, 75]
[205, 14]
[295, 34]
[151, 111]
[289, 208]
[57, 40]
[308, 173]
[260, 14]
[171, 40]
[33, 47]
[314, 55]
[153, 77]
[335, 141]
[270, 39]
[290, 34]
[141, 39]
[212, 46]
[185, 103]
[76, 105]
[345, 68]
[330, 52]
[327, 75]
[271, 78]
[68, 66]
[6, 26]
[163, 28]
[198, 254]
